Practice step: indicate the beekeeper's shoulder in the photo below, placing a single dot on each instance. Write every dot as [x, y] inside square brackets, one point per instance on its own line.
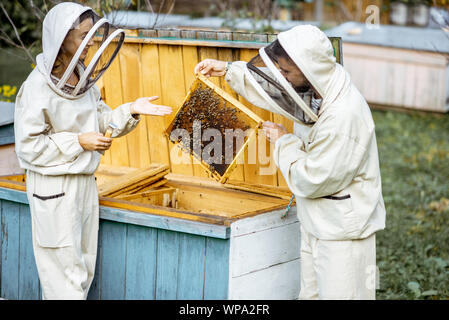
[34, 92]
[349, 118]
[95, 91]
[37, 85]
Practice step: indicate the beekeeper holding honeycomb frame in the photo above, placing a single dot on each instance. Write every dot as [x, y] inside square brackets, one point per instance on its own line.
[330, 162]
[60, 122]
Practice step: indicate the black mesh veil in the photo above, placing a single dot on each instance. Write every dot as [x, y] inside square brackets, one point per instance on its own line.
[266, 76]
[98, 49]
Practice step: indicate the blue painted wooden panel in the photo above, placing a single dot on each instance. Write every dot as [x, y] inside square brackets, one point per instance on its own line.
[113, 260]
[10, 250]
[190, 276]
[133, 261]
[217, 269]
[141, 262]
[19, 277]
[163, 222]
[167, 264]
[1, 244]
[28, 277]
[13, 195]
[95, 287]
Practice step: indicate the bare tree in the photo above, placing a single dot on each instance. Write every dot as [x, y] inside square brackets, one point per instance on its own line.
[18, 43]
[111, 9]
[104, 7]
[170, 7]
[261, 12]
[264, 9]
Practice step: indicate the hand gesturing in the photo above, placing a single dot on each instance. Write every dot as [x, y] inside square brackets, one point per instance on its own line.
[144, 106]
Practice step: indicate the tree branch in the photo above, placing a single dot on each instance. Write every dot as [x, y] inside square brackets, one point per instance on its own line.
[36, 11]
[17, 34]
[344, 10]
[158, 13]
[14, 55]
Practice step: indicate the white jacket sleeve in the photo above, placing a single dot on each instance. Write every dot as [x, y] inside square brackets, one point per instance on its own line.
[120, 116]
[324, 167]
[35, 143]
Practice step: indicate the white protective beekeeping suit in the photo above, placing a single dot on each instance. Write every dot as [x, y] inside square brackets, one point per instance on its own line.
[330, 163]
[61, 186]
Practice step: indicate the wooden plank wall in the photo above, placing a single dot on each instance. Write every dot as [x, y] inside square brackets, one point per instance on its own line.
[133, 262]
[9, 164]
[137, 262]
[146, 68]
[265, 257]
[399, 77]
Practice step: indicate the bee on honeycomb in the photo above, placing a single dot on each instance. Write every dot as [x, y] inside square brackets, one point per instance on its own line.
[207, 108]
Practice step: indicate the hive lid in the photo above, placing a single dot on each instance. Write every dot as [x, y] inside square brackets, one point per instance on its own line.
[213, 127]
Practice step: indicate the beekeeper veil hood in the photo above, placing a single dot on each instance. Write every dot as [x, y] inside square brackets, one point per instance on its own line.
[311, 51]
[65, 18]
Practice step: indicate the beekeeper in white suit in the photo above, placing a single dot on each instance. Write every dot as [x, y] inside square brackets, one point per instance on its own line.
[330, 162]
[60, 121]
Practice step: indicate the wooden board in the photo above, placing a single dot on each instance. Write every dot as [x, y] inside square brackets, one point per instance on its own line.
[133, 180]
[12, 184]
[18, 273]
[9, 163]
[278, 192]
[255, 171]
[113, 89]
[132, 86]
[264, 257]
[281, 281]
[191, 57]
[399, 77]
[149, 193]
[151, 86]
[173, 93]
[107, 173]
[222, 202]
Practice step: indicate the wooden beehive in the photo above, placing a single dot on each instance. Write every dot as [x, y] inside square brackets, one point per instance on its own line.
[210, 107]
[216, 243]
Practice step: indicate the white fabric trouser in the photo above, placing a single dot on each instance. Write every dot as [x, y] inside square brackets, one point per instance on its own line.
[65, 221]
[338, 269]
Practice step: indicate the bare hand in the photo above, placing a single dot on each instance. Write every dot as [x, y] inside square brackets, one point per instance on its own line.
[273, 131]
[211, 67]
[94, 141]
[144, 106]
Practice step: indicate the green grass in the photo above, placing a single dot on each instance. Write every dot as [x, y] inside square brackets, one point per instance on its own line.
[413, 250]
